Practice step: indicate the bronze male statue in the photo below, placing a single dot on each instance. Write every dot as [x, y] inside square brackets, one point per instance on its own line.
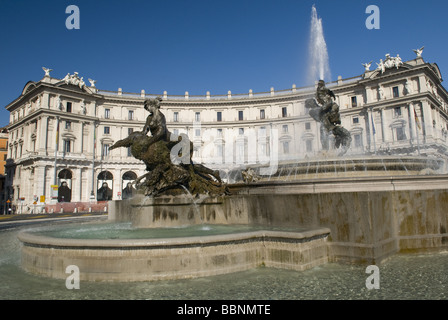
[327, 113]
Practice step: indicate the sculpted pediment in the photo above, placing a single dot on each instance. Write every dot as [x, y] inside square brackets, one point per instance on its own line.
[28, 87]
[75, 82]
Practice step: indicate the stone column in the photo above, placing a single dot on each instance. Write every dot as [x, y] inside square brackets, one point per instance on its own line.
[372, 134]
[77, 185]
[45, 101]
[383, 125]
[368, 94]
[427, 120]
[81, 137]
[117, 184]
[412, 125]
[41, 134]
[39, 180]
[422, 84]
[295, 136]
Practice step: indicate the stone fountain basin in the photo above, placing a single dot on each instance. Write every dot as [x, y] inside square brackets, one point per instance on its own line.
[173, 258]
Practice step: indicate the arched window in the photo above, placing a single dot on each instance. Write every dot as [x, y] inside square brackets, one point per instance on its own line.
[105, 186]
[128, 189]
[65, 174]
[105, 175]
[64, 186]
[129, 175]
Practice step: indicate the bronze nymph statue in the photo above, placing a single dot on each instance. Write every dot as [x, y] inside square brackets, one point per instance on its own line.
[159, 150]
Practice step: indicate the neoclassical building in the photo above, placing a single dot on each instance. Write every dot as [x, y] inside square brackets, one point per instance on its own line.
[60, 130]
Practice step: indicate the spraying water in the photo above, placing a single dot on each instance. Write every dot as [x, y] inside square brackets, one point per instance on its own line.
[318, 62]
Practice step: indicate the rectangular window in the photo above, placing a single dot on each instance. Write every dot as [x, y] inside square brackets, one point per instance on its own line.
[241, 131]
[131, 115]
[176, 116]
[355, 120]
[69, 107]
[240, 115]
[198, 132]
[395, 91]
[397, 112]
[307, 126]
[284, 112]
[358, 141]
[285, 128]
[219, 132]
[240, 153]
[401, 134]
[68, 125]
[354, 102]
[130, 131]
[67, 146]
[219, 152]
[262, 115]
[106, 113]
[106, 130]
[286, 147]
[197, 116]
[219, 116]
[105, 150]
[309, 145]
[262, 149]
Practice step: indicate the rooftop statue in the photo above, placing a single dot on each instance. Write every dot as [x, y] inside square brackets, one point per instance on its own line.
[367, 66]
[389, 62]
[92, 82]
[324, 110]
[168, 158]
[47, 71]
[418, 52]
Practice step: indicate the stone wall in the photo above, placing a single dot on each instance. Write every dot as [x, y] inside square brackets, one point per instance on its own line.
[369, 219]
[174, 258]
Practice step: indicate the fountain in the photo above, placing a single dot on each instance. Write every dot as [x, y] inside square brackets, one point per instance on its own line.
[308, 213]
[318, 64]
[179, 195]
[332, 208]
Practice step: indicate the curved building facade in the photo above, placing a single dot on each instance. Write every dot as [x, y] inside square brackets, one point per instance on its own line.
[60, 130]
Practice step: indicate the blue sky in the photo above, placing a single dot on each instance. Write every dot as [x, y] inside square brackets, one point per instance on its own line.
[200, 46]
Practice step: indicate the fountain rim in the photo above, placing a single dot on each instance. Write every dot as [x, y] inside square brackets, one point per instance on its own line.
[30, 239]
[328, 180]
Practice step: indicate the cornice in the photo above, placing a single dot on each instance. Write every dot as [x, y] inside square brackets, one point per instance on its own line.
[396, 73]
[234, 102]
[52, 113]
